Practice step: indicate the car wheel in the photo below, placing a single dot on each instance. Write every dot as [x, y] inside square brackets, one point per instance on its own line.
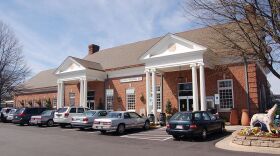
[103, 132]
[50, 123]
[62, 125]
[204, 134]
[21, 124]
[81, 128]
[121, 129]
[176, 137]
[222, 129]
[146, 125]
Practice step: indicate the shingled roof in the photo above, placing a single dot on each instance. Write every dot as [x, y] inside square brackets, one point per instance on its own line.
[129, 54]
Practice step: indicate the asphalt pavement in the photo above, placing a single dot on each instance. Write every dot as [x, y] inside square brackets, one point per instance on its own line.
[55, 141]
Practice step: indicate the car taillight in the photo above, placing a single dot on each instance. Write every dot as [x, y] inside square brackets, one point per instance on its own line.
[106, 123]
[85, 119]
[193, 126]
[167, 126]
[66, 115]
[21, 115]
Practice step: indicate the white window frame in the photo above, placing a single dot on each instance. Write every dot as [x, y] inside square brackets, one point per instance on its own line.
[72, 97]
[126, 99]
[218, 83]
[111, 98]
[159, 98]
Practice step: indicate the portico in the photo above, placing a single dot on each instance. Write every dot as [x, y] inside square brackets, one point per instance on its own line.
[74, 71]
[171, 54]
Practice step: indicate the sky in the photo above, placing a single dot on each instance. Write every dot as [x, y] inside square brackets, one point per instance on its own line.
[51, 30]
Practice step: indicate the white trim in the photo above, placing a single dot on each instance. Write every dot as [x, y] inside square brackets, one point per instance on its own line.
[106, 102]
[232, 92]
[132, 110]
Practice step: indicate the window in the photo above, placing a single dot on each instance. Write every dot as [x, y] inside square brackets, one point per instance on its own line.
[197, 116]
[134, 115]
[54, 102]
[158, 97]
[205, 116]
[72, 99]
[226, 94]
[185, 89]
[81, 110]
[109, 99]
[72, 110]
[212, 117]
[130, 99]
[126, 116]
[102, 113]
[90, 95]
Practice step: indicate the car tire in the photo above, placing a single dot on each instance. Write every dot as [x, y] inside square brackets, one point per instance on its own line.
[50, 123]
[146, 125]
[222, 129]
[82, 129]
[121, 129]
[204, 134]
[103, 132]
[62, 125]
[21, 124]
[176, 137]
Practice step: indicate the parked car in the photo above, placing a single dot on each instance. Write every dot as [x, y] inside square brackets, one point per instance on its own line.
[86, 119]
[4, 113]
[198, 123]
[120, 121]
[46, 118]
[63, 116]
[23, 115]
[11, 114]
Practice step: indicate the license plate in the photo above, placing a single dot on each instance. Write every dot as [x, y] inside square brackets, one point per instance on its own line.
[179, 127]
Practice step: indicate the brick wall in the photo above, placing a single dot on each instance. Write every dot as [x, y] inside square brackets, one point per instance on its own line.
[25, 98]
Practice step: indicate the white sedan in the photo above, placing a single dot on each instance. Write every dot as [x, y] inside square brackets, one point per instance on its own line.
[120, 121]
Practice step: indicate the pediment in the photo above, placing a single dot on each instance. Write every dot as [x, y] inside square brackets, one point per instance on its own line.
[171, 45]
[69, 65]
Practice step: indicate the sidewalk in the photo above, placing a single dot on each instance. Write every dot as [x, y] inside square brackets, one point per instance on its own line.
[226, 144]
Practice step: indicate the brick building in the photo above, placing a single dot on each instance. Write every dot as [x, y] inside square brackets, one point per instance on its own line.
[188, 69]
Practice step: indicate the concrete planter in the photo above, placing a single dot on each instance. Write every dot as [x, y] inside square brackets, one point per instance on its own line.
[255, 141]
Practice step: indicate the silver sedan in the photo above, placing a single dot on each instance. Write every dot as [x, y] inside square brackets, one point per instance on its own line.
[86, 119]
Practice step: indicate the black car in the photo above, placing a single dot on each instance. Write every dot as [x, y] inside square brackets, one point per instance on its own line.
[198, 123]
[23, 115]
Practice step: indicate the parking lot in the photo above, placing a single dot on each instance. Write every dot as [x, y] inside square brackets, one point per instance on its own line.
[34, 141]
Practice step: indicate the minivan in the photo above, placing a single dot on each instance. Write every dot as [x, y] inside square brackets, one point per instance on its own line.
[23, 115]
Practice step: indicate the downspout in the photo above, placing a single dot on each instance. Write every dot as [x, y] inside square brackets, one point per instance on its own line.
[247, 85]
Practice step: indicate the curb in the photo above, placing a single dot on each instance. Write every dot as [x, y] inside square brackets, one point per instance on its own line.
[227, 144]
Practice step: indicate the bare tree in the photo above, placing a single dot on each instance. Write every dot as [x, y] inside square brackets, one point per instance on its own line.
[249, 29]
[13, 69]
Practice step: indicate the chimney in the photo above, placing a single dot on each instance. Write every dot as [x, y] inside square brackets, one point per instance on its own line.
[92, 48]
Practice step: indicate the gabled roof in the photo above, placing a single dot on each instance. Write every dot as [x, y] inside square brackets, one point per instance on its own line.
[129, 54]
[88, 64]
[43, 79]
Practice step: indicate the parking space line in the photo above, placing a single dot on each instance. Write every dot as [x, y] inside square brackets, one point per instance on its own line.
[144, 138]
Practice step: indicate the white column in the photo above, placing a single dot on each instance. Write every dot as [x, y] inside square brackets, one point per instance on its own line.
[58, 105]
[202, 87]
[154, 91]
[195, 88]
[81, 92]
[61, 94]
[148, 91]
[85, 93]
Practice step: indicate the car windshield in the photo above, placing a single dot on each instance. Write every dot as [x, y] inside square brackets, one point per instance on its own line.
[114, 115]
[12, 111]
[182, 116]
[47, 113]
[61, 110]
[19, 111]
[89, 113]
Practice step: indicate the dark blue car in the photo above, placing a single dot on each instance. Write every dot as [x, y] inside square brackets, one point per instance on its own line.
[189, 124]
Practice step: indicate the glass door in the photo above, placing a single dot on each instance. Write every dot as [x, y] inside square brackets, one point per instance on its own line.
[183, 104]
